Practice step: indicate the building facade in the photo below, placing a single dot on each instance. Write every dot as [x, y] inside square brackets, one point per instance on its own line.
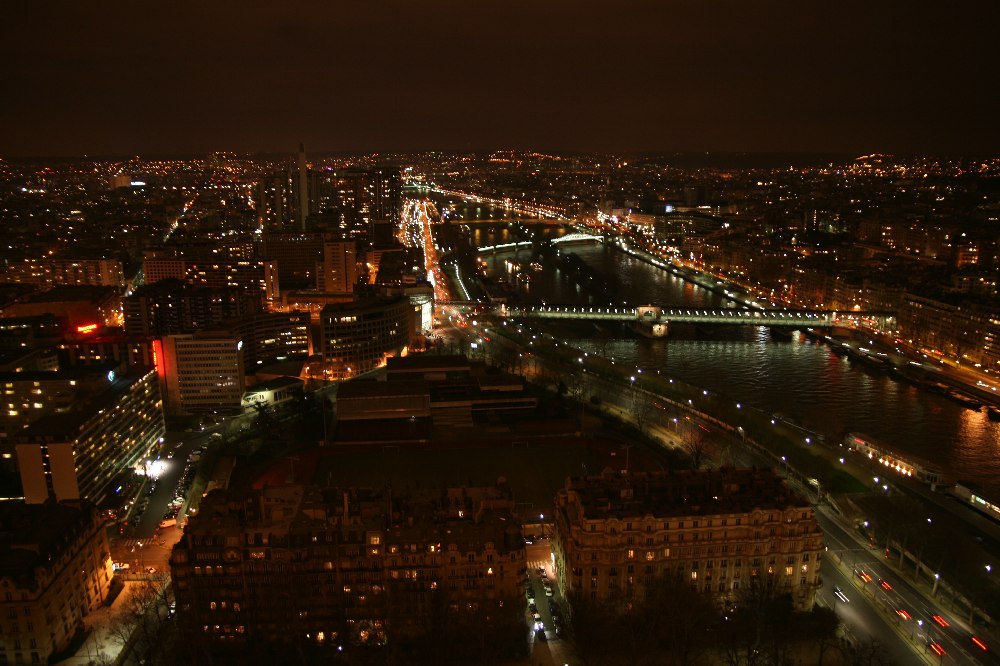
[49, 272]
[270, 337]
[171, 306]
[717, 530]
[359, 336]
[83, 452]
[201, 372]
[339, 272]
[55, 568]
[345, 565]
[254, 277]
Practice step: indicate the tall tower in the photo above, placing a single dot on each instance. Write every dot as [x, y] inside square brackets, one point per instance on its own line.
[303, 188]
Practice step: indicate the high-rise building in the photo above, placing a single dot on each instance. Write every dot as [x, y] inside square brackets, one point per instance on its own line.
[31, 332]
[201, 373]
[295, 255]
[303, 183]
[171, 306]
[256, 277]
[160, 265]
[55, 568]
[103, 346]
[376, 194]
[270, 337]
[83, 452]
[716, 530]
[340, 267]
[31, 395]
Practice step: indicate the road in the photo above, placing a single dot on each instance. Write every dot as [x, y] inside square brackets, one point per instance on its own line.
[914, 618]
[882, 606]
[148, 545]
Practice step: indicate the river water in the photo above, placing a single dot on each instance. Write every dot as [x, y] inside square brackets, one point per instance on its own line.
[799, 378]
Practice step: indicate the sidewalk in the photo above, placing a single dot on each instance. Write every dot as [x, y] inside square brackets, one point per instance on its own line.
[101, 646]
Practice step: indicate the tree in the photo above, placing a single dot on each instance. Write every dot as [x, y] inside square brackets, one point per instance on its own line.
[867, 653]
[668, 622]
[139, 619]
[820, 627]
[681, 619]
[698, 447]
[756, 629]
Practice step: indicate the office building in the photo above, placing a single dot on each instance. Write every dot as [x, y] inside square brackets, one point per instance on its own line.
[103, 346]
[295, 255]
[254, 277]
[359, 336]
[201, 373]
[339, 272]
[272, 337]
[303, 173]
[171, 306]
[31, 332]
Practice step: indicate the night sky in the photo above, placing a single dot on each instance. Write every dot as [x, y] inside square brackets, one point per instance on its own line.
[115, 78]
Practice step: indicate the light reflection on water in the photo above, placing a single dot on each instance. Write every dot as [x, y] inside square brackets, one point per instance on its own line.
[800, 378]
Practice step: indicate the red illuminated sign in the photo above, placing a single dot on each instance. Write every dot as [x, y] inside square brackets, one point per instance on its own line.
[158, 356]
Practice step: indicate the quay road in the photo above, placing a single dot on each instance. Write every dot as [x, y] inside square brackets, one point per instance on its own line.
[914, 618]
[905, 621]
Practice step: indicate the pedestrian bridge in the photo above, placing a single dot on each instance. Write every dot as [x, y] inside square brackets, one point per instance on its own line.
[655, 320]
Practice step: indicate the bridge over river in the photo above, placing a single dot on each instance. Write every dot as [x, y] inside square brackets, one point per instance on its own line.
[655, 321]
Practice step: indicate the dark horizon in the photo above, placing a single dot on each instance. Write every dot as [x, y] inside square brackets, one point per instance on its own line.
[560, 76]
[677, 159]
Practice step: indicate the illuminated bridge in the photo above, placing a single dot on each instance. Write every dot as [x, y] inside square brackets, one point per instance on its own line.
[568, 238]
[655, 320]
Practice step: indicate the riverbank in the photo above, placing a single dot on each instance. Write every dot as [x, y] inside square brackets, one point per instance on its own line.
[825, 471]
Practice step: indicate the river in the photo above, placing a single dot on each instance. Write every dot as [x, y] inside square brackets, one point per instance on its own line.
[800, 378]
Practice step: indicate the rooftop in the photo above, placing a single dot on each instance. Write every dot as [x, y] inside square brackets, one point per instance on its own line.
[33, 535]
[682, 492]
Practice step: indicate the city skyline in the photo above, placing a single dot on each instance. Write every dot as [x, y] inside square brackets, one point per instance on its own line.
[558, 76]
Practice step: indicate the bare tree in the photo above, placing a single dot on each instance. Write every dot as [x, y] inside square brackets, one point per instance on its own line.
[698, 447]
[138, 620]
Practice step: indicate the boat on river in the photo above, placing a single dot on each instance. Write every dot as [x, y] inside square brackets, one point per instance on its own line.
[964, 399]
[908, 466]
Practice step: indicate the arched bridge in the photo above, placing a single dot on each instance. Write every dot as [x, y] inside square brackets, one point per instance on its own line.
[568, 238]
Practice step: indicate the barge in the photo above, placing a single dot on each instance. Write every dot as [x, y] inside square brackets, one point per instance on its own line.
[908, 466]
